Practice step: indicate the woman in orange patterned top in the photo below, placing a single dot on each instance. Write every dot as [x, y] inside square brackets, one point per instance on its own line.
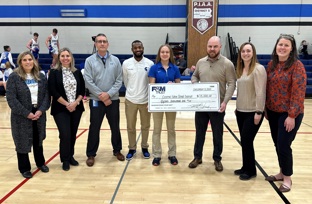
[286, 87]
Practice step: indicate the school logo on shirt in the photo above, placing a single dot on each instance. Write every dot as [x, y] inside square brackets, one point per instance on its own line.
[159, 89]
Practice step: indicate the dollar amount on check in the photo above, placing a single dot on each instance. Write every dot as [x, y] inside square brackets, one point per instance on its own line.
[184, 97]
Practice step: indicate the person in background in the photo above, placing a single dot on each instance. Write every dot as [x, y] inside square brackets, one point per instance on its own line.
[103, 78]
[250, 101]
[28, 98]
[52, 43]
[181, 63]
[6, 56]
[164, 71]
[67, 87]
[33, 46]
[8, 70]
[303, 49]
[135, 77]
[1, 76]
[213, 68]
[285, 94]
[189, 71]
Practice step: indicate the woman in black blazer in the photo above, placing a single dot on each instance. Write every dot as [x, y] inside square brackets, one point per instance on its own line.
[67, 88]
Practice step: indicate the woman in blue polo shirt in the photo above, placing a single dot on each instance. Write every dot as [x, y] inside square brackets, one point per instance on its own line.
[164, 71]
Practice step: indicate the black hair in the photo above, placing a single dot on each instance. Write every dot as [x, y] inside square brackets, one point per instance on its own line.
[6, 47]
[136, 41]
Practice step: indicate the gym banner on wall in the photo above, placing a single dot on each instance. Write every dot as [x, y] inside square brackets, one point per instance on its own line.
[202, 18]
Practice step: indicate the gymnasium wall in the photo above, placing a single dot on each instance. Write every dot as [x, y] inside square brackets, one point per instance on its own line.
[263, 21]
[149, 21]
[122, 22]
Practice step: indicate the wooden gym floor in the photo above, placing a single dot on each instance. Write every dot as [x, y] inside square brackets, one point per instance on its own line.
[137, 181]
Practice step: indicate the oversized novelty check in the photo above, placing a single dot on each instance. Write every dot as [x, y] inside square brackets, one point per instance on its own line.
[184, 97]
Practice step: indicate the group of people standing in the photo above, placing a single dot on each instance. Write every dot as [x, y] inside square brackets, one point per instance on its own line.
[52, 43]
[29, 95]
[276, 93]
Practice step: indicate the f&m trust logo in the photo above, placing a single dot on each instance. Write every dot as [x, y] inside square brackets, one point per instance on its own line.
[159, 89]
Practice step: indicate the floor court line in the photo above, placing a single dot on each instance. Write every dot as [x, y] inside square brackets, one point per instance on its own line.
[282, 196]
[128, 163]
[123, 174]
[34, 173]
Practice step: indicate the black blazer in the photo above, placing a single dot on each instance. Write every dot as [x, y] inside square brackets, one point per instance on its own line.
[56, 90]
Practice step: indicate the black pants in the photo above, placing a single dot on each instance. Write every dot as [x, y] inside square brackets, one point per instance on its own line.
[67, 124]
[283, 139]
[97, 113]
[23, 158]
[201, 122]
[248, 131]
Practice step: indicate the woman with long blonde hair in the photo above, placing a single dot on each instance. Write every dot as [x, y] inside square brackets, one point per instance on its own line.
[28, 98]
[251, 86]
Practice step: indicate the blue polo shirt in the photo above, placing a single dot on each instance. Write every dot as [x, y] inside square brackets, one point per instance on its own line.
[163, 76]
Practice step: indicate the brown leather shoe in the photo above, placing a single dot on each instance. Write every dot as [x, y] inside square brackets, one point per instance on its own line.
[119, 156]
[218, 165]
[283, 188]
[272, 178]
[195, 163]
[90, 161]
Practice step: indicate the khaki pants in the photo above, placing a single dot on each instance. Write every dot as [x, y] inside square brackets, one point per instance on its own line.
[170, 121]
[131, 110]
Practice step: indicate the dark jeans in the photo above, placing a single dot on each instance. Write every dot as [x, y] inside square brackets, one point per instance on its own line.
[248, 131]
[96, 118]
[67, 124]
[201, 123]
[283, 139]
[23, 158]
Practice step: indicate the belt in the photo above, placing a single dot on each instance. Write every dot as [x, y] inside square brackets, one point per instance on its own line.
[34, 105]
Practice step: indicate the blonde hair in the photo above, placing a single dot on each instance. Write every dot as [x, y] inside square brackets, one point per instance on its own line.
[7, 64]
[171, 59]
[35, 72]
[240, 63]
[72, 63]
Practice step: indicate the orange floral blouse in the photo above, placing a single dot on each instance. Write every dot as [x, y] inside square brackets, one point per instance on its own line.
[285, 90]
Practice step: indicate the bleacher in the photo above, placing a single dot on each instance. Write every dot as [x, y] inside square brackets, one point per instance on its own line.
[45, 62]
[264, 59]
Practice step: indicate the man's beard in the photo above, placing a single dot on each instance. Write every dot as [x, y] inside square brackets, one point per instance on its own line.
[213, 55]
[138, 55]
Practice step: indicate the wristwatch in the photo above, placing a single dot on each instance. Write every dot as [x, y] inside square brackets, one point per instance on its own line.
[259, 112]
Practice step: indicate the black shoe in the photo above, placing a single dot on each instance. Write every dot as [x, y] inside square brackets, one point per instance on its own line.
[130, 154]
[27, 174]
[73, 162]
[173, 160]
[44, 169]
[239, 172]
[156, 161]
[246, 177]
[65, 166]
[145, 153]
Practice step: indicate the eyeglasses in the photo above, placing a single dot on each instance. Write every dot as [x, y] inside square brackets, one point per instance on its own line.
[102, 41]
[287, 35]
